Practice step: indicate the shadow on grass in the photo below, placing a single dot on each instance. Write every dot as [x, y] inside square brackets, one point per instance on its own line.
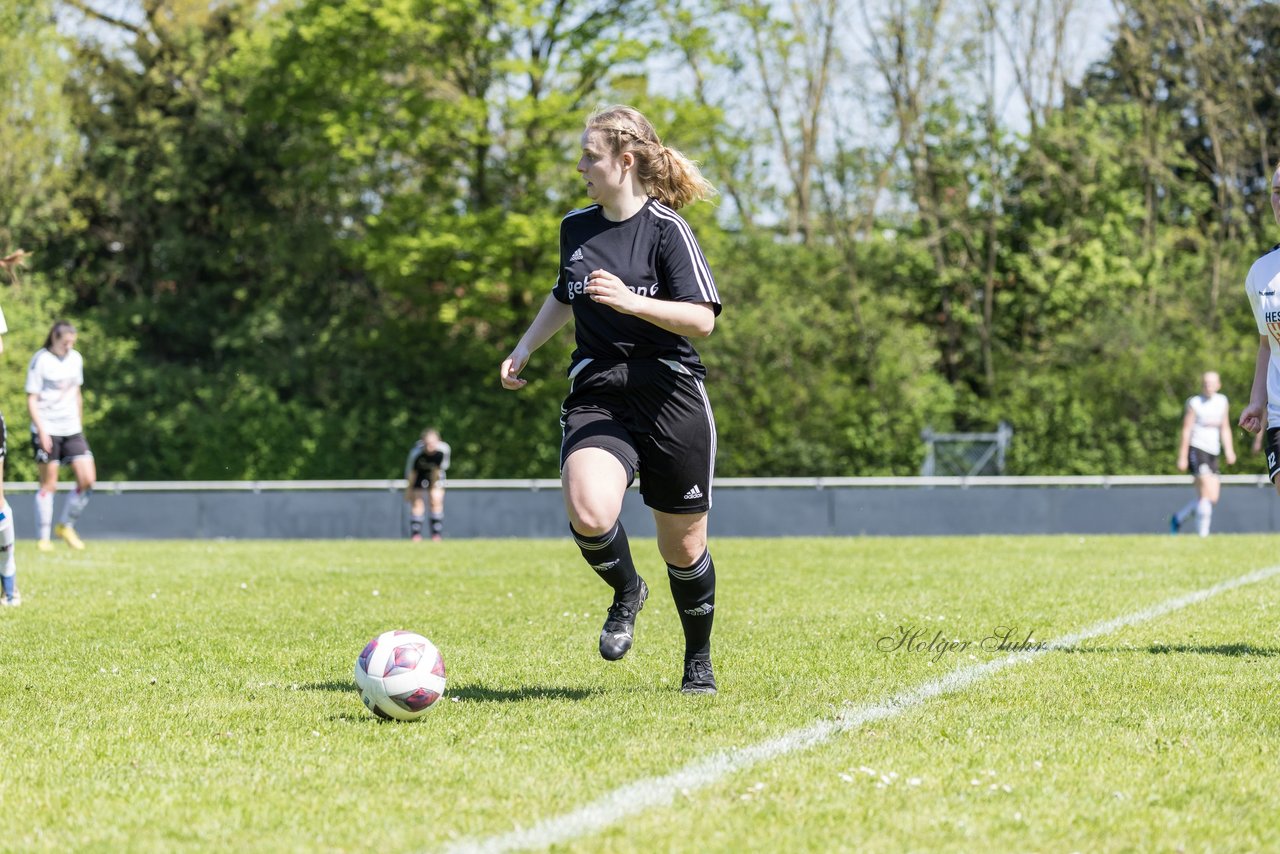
[469, 694]
[332, 685]
[484, 694]
[1237, 650]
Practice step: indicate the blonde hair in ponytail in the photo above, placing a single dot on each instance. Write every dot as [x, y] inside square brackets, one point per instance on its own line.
[665, 173]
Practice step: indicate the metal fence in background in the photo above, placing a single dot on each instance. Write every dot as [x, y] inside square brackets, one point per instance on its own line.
[747, 507]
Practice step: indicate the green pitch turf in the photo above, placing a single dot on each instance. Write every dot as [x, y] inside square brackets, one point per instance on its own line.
[168, 696]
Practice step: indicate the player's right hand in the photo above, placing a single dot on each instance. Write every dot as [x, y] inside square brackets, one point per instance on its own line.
[511, 368]
[1251, 418]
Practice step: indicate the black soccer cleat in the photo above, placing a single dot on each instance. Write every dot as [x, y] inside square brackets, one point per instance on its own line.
[619, 627]
[698, 678]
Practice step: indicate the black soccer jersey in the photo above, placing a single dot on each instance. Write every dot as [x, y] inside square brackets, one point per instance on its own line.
[421, 467]
[654, 253]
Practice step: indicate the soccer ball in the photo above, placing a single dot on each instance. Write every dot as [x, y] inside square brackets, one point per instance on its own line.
[400, 675]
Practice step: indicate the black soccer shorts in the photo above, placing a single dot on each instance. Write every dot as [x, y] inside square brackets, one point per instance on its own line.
[654, 416]
[65, 448]
[1271, 447]
[1202, 463]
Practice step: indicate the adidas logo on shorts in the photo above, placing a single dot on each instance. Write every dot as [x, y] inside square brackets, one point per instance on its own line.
[693, 493]
[576, 256]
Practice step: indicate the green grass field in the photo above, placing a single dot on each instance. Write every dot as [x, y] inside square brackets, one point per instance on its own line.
[198, 695]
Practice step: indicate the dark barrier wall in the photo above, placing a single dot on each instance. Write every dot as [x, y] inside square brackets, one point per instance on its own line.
[743, 511]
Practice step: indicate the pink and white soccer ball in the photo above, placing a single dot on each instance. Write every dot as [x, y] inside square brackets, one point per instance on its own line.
[400, 675]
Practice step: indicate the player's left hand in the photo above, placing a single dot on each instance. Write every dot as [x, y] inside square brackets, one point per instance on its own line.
[607, 289]
[1231, 459]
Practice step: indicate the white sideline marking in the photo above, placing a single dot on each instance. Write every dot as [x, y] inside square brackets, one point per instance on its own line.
[641, 795]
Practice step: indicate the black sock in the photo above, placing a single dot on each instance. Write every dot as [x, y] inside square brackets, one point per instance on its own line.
[694, 590]
[610, 556]
[437, 524]
[415, 526]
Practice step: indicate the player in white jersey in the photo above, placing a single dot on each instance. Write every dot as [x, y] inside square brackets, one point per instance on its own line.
[8, 568]
[56, 405]
[424, 474]
[1206, 435]
[1263, 288]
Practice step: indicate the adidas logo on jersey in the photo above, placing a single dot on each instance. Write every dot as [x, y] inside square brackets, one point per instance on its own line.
[700, 611]
[693, 493]
[576, 256]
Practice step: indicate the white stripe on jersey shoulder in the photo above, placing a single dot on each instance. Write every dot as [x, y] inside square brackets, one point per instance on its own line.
[579, 211]
[702, 273]
[676, 366]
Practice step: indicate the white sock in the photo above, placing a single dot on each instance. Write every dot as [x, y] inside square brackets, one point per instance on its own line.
[75, 506]
[10, 568]
[6, 525]
[1204, 513]
[44, 513]
[1187, 510]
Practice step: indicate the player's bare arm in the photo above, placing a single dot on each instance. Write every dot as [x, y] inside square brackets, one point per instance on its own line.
[690, 319]
[551, 317]
[33, 408]
[1184, 445]
[12, 262]
[1253, 417]
[1228, 442]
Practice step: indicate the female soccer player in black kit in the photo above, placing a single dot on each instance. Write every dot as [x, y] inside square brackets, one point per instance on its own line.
[638, 287]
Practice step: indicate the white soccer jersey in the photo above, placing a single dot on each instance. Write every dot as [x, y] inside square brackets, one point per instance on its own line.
[1263, 287]
[1206, 432]
[55, 381]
